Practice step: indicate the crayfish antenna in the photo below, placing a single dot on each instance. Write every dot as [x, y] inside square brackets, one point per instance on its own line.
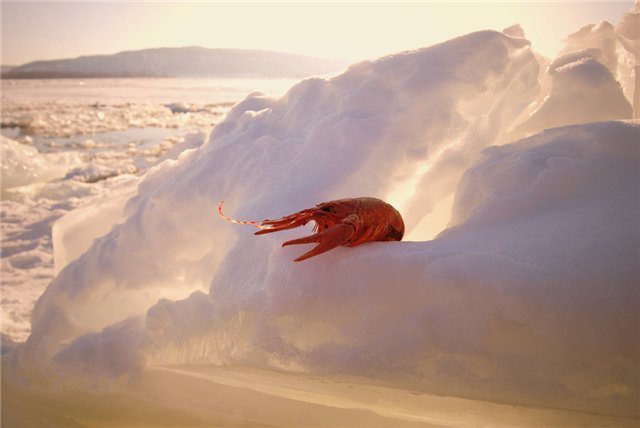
[257, 224]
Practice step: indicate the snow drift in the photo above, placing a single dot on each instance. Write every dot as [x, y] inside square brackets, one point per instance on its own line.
[530, 295]
[584, 90]
[360, 133]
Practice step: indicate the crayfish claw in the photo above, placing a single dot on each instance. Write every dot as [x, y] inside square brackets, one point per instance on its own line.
[327, 240]
[272, 229]
[289, 222]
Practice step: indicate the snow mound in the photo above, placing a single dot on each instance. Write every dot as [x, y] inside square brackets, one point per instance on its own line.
[513, 302]
[514, 31]
[583, 90]
[73, 234]
[369, 131]
[628, 31]
[614, 47]
[601, 37]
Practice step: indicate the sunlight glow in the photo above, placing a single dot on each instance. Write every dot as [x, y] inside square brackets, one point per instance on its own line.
[334, 30]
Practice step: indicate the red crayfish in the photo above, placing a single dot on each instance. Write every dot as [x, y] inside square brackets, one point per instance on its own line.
[347, 222]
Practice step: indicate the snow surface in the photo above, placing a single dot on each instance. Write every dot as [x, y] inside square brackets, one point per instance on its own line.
[530, 295]
[62, 150]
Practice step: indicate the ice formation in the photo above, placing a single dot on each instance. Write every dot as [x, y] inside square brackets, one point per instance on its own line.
[22, 164]
[358, 133]
[57, 108]
[514, 301]
[44, 180]
[530, 295]
[74, 233]
[628, 33]
[579, 76]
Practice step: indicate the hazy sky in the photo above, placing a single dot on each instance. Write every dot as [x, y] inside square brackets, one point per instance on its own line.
[48, 30]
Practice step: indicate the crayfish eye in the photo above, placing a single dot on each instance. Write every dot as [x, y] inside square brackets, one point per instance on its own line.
[328, 209]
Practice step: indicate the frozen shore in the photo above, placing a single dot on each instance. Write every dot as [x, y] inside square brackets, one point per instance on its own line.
[205, 396]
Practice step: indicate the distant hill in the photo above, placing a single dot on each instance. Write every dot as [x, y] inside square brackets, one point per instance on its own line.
[6, 68]
[178, 62]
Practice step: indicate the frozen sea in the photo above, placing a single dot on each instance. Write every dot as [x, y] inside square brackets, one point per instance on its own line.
[89, 135]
